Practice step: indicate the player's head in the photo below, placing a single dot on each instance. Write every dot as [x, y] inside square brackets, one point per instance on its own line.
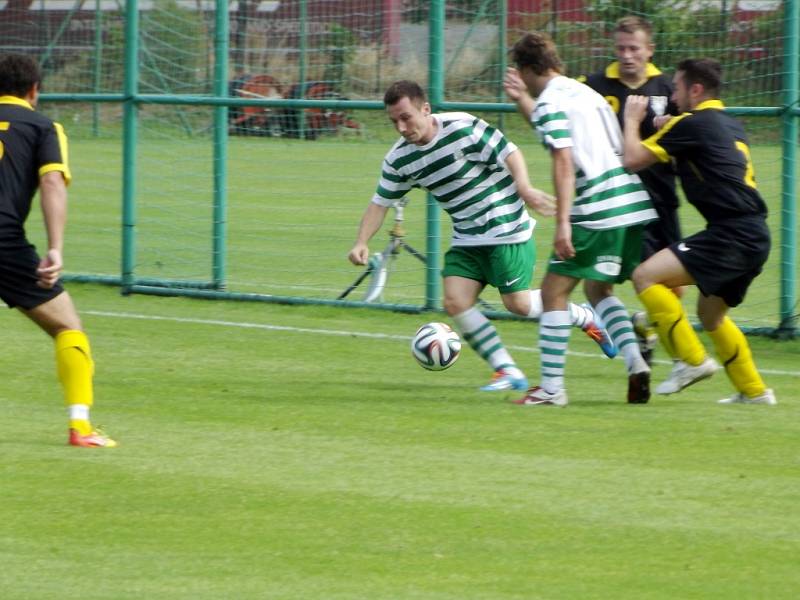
[408, 109]
[696, 80]
[19, 75]
[536, 59]
[633, 46]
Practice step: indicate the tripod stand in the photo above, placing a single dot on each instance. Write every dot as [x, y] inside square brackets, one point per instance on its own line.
[380, 263]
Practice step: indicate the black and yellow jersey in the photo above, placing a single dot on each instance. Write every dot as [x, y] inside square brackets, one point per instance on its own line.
[713, 161]
[659, 179]
[30, 146]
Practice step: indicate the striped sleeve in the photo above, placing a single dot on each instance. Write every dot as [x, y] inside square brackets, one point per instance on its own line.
[53, 153]
[492, 145]
[392, 185]
[552, 125]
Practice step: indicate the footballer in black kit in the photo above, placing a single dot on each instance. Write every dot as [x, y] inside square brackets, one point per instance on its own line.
[659, 179]
[713, 162]
[30, 146]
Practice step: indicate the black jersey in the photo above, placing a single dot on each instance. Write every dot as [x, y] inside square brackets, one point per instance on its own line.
[713, 160]
[659, 179]
[30, 146]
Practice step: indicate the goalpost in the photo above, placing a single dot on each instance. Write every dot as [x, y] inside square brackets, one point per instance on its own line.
[237, 142]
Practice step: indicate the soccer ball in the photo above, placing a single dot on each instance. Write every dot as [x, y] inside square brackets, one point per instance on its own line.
[435, 346]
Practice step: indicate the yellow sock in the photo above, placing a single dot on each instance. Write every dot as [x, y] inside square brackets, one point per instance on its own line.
[734, 353]
[666, 313]
[75, 369]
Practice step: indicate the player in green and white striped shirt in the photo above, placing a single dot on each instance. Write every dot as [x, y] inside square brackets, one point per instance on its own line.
[481, 180]
[600, 212]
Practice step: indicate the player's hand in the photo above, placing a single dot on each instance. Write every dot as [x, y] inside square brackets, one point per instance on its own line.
[540, 201]
[49, 269]
[513, 84]
[661, 120]
[359, 255]
[636, 108]
[562, 244]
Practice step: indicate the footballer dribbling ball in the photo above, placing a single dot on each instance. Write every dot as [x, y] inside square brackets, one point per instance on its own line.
[435, 346]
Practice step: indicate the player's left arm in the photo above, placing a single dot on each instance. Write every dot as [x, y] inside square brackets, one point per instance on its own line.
[635, 155]
[53, 198]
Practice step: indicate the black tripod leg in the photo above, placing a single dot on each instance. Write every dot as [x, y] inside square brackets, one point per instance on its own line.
[413, 252]
[367, 272]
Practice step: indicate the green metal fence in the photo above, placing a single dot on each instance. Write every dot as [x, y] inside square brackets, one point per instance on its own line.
[493, 14]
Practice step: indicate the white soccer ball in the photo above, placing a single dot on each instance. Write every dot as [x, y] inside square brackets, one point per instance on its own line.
[435, 346]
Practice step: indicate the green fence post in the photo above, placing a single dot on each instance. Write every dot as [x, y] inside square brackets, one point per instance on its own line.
[791, 93]
[98, 65]
[436, 95]
[220, 220]
[301, 86]
[129, 142]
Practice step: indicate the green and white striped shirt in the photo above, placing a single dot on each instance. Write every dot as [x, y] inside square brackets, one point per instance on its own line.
[464, 168]
[569, 114]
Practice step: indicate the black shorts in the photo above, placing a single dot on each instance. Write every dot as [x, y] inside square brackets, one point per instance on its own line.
[661, 233]
[18, 264]
[726, 257]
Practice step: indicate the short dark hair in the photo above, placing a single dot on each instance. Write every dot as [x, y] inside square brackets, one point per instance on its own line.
[705, 71]
[537, 51]
[632, 24]
[18, 74]
[405, 89]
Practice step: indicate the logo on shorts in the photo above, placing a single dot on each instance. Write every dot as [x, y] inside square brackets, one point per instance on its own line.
[683, 247]
[513, 281]
[608, 268]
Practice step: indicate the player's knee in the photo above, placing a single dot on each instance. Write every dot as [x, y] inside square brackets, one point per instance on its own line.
[640, 279]
[455, 306]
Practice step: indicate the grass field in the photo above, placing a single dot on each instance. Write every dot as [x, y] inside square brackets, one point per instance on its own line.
[299, 452]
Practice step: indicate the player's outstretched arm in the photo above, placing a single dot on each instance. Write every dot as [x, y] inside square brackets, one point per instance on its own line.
[370, 223]
[53, 193]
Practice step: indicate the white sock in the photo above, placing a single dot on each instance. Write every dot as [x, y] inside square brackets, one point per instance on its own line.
[554, 329]
[78, 412]
[481, 335]
[580, 315]
[620, 329]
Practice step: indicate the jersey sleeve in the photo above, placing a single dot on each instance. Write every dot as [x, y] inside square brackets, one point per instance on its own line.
[391, 187]
[52, 152]
[672, 139]
[492, 146]
[552, 126]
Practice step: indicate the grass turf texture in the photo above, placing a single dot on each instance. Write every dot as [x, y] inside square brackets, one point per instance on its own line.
[277, 463]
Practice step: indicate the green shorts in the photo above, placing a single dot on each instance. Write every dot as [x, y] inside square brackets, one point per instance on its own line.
[508, 267]
[608, 255]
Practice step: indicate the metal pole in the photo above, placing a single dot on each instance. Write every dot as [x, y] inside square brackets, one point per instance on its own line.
[436, 95]
[502, 35]
[301, 113]
[219, 234]
[98, 66]
[129, 142]
[791, 93]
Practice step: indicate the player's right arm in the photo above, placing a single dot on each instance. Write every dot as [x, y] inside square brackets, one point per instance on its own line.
[53, 199]
[370, 223]
[564, 185]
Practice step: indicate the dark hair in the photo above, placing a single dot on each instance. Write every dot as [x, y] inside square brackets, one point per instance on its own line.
[632, 24]
[705, 71]
[18, 74]
[537, 51]
[405, 89]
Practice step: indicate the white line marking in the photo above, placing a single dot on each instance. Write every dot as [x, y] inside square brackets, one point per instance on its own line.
[340, 333]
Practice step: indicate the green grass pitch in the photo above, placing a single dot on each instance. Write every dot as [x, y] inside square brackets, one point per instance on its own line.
[299, 452]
